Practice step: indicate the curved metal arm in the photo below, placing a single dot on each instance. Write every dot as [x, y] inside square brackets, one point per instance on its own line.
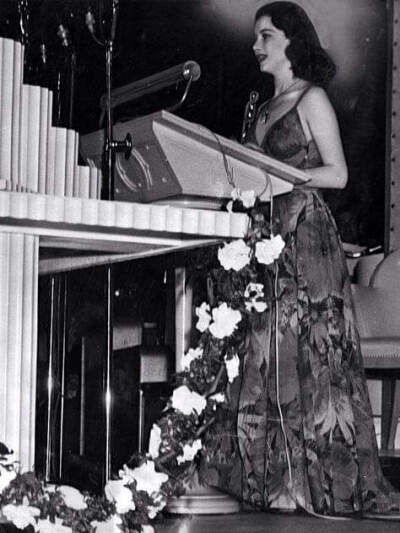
[185, 93]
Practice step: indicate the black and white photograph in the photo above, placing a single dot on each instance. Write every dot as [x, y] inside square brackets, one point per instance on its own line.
[199, 266]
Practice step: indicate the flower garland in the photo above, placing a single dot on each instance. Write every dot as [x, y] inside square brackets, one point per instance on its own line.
[243, 289]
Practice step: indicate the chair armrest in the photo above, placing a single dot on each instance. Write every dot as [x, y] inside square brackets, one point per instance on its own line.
[377, 311]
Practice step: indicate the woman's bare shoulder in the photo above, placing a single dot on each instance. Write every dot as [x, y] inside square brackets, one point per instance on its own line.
[315, 96]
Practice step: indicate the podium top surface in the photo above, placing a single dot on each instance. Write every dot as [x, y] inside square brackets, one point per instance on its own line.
[232, 148]
[174, 160]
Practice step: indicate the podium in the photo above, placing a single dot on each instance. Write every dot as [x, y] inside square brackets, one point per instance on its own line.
[174, 161]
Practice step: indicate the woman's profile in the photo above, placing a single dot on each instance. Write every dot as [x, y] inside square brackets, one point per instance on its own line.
[304, 429]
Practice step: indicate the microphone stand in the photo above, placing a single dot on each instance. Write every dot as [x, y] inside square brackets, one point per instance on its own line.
[111, 146]
[249, 115]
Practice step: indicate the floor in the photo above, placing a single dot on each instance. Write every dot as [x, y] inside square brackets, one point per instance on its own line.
[258, 522]
[272, 523]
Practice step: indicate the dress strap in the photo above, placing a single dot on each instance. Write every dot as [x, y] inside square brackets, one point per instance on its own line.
[306, 130]
[303, 93]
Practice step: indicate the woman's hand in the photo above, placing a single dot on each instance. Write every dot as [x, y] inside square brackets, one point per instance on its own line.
[254, 146]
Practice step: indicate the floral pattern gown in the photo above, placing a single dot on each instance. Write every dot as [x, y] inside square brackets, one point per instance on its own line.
[304, 422]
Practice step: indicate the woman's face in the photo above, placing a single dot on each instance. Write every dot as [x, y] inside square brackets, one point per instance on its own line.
[269, 46]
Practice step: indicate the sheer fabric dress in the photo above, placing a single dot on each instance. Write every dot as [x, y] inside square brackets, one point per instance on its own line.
[305, 433]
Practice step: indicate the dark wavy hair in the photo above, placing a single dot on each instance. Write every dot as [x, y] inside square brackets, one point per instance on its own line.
[308, 59]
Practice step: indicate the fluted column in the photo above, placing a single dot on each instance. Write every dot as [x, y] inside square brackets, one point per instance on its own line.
[18, 339]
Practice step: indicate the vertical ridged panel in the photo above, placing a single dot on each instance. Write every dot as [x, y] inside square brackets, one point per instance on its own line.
[44, 126]
[83, 182]
[16, 110]
[174, 219]
[190, 221]
[35, 156]
[158, 218]
[70, 162]
[73, 210]
[94, 183]
[150, 217]
[34, 134]
[6, 118]
[60, 164]
[1, 67]
[23, 137]
[51, 155]
[29, 350]
[18, 303]
[4, 300]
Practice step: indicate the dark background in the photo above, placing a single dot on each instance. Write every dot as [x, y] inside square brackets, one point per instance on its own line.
[153, 35]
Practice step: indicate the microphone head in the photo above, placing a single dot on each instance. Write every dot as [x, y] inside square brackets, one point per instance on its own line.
[191, 69]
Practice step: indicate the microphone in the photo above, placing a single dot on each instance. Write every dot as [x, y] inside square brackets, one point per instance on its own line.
[189, 70]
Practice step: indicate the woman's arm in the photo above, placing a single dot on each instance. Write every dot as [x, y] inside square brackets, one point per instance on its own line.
[317, 112]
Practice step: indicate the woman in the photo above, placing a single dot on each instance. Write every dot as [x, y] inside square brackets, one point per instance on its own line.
[305, 429]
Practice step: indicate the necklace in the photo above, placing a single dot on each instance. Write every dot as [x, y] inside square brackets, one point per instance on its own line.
[265, 112]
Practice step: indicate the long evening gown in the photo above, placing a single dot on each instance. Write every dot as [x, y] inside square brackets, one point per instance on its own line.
[313, 444]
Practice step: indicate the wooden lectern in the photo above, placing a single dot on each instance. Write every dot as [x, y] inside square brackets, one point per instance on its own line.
[174, 161]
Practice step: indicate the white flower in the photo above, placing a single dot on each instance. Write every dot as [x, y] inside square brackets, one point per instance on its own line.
[110, 526]
[260, 307]
[235, 193]
[278, 245]
[147, 479]
[147, 529]
[204, 317]
[225, 322]
[218, 397]
[6, 476]
[45, 526]
[155, 441]
[191, 355]
[187, 401]
[9, 460]
[116, 492]
[253, 292]
[232, 367]
[20, 515]
[268, 250]
[72, 497]
[125, 475]
[189, 451]
[153, 510]
[234, 255]
[263, 252]
[248, 198]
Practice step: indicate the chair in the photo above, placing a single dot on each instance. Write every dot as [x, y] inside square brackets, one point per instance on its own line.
[377, 311]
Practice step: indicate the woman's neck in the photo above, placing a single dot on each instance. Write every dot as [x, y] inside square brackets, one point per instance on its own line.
[283, 81]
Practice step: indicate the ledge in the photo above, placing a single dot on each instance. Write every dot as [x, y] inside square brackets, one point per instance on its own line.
[113, 231]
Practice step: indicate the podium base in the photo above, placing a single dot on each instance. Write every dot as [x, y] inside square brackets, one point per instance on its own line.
[203, 500]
